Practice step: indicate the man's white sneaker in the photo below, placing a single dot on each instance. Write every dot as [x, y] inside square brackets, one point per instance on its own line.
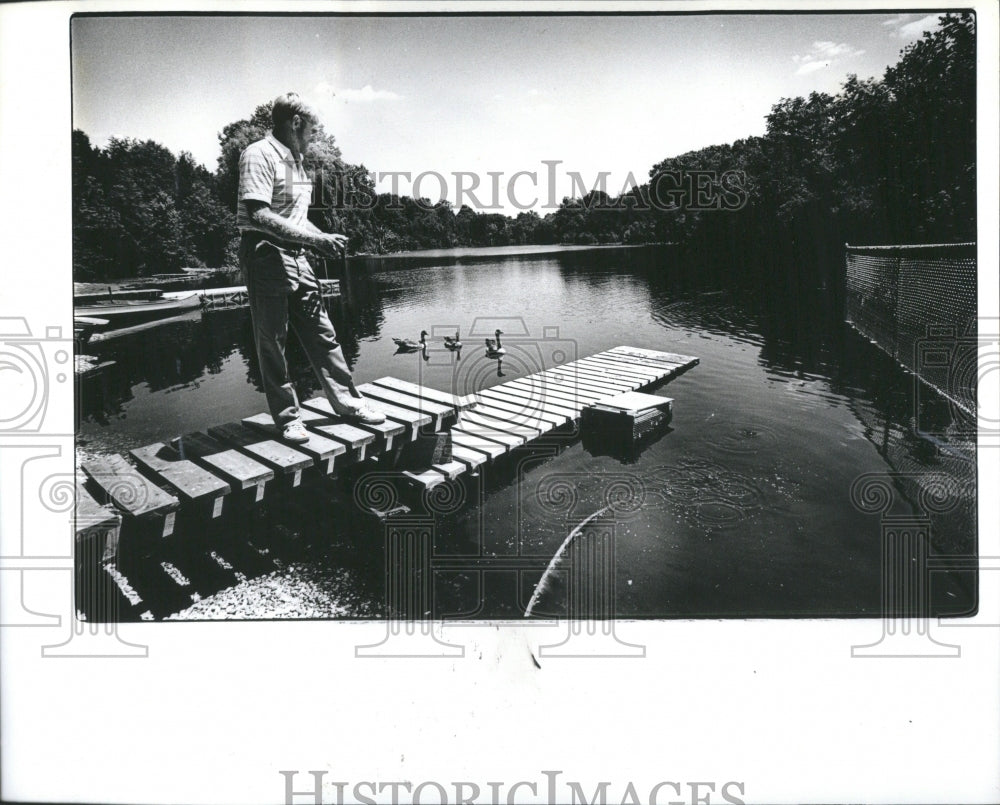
[295, 432]
[364, 412]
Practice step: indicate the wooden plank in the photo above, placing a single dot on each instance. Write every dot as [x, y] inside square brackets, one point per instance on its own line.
[573, 392]
[230, 289]
[433, 395]
[632, 359]
[656, 355]
[600, 386]
[511, 423]
[427, 479]
[611, 371]
[635, 366]
[162, 458]
[90, 513]
[515, 412]
[414, 420]
[322, 450]
[476, 441]
[237, 468]
[532, 401]
[665, 372]
[558, 394]
[638, 366]
[539, 384]
[498, 420]
[90, 321]
[131, 493]
[634, 402]
[450, 469]
[193, 483]
[618, 368]
[270, 452]
[83, 370]
[385, 431]
[485, 448]
[493, 433]
[563, 383]
[653, 354]
[440, 413]
[471, 458]
[449, 412]
[600, 368]
[601, 374]
[516, 407]
[591, 374]
[525, 401]
[144, 294]
[94, 520]
[356, 439]
[619, 384]
[353, 435]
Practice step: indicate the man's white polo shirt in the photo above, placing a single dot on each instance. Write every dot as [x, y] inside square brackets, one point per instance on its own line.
[269, 173]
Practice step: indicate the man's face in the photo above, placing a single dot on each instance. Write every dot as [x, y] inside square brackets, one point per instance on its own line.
[303, 132]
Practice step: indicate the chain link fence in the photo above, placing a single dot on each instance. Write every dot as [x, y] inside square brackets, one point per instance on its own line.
[918, 304]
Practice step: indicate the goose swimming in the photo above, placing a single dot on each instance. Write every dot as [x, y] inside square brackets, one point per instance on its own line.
[495, 349]
[407, 345]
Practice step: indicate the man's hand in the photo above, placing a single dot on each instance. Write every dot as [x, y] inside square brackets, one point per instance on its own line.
[307, 234]
[330, 245]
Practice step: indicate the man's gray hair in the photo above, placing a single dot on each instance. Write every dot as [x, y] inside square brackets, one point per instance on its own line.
[286, 106]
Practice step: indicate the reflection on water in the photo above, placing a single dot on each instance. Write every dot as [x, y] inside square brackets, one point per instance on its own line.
[746, 498]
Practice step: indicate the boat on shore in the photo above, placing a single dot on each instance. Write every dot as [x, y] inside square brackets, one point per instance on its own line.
[119, 312]
[84, 327]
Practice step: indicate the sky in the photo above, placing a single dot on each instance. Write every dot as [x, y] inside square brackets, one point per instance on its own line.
[438, 96]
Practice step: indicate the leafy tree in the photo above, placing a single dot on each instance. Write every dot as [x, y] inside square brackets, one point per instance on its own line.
[233, 139]
[884, 160]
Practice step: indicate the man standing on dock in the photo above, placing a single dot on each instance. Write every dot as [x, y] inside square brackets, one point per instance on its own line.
[274, 196]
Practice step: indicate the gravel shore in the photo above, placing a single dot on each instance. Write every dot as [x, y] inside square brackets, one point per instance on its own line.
[296, 591]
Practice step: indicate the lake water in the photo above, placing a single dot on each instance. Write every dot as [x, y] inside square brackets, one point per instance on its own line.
[742, 509]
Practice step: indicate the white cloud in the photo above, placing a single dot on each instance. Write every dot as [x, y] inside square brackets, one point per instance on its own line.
[915, 29]
[367, 94]
[909, 26]
[811, 67]
[899, 19]
[824, 53]
[831, 49]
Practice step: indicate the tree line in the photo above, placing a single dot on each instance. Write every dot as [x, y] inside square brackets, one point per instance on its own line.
[885, 160]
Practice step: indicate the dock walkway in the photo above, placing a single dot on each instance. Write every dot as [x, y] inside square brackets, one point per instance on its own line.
[200, 474]
[236, 295]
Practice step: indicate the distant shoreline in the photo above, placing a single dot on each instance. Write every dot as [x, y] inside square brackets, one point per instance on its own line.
[219, 277]
[486, 251]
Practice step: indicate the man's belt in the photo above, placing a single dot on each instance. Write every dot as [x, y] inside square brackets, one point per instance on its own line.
[256, 238]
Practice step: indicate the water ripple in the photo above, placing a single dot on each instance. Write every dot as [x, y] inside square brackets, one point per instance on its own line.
[708, 494]
[747, 439]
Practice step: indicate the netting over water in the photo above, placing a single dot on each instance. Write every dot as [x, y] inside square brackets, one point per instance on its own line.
[918, 303]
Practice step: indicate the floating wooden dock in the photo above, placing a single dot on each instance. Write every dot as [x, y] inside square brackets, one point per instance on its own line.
[96, 523]
[198, 474]
[207, 299]
[236, 295]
